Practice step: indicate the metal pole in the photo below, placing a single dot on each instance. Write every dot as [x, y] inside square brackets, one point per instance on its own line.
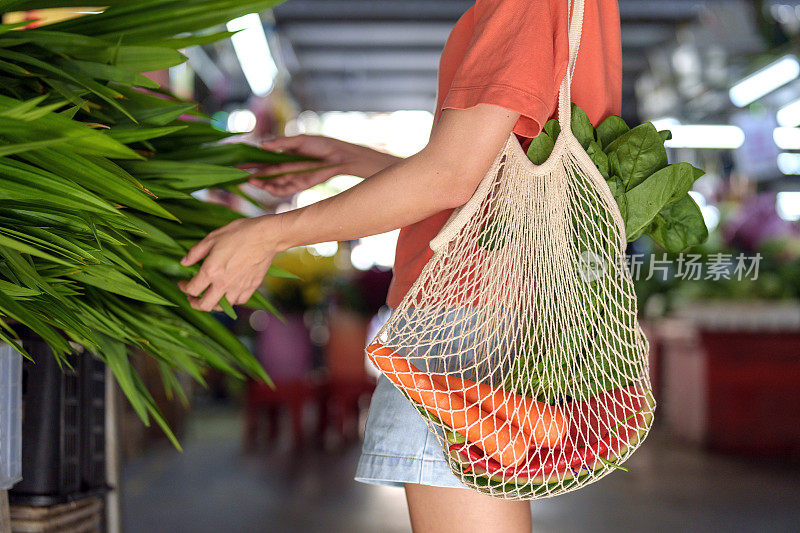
[5, 513]
[113, 519]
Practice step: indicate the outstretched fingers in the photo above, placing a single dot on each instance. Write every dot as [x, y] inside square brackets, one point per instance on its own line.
[210, 300]
[198, 251]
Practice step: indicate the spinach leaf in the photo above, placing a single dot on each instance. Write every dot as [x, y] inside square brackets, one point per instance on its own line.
[640, 154]
[552, 128]
[679, 226]
[650, 194]
[610, 129]
[659, 190]
[581, 126]
[618, 191]
[599, 158]
[540, 149]
[612, 147]
[616, 143]
[633, 236]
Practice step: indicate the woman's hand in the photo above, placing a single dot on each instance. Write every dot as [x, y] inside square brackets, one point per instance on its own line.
[235, 259]
[336, 157]
[442, 176]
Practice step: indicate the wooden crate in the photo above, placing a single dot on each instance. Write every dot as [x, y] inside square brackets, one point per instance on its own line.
[80, 516]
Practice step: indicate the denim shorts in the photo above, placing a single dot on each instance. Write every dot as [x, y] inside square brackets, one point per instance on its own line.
[399, 447]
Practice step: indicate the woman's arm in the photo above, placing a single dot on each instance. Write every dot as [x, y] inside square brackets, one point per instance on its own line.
[443, 175]
[335, 157]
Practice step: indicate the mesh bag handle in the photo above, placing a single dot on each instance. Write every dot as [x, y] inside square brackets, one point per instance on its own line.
[566, 140]
[564, 92]
[518, 343]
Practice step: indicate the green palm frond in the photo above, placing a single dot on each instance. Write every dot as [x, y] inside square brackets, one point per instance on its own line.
[91, 228]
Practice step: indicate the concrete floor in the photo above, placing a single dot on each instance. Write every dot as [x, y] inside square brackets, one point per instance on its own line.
[213, 487]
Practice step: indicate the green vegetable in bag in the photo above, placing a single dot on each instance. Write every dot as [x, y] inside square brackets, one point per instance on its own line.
[652, 197]
[610, 129]
[581, 127]
[637, 154]
[541, 147]
[659, 190]
[650, 193]
[679, 225]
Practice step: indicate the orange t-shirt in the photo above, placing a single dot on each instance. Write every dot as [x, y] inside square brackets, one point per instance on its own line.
[513, 53]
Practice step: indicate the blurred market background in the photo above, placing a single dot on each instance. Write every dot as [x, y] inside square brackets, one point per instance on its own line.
[724, 76]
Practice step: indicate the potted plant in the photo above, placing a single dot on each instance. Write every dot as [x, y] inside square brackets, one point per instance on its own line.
[98, 164]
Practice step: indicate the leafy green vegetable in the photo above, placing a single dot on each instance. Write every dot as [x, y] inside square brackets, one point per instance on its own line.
[679, 225]
[618, 191]
[599, 158]
[639, 156]
[610, 129]
[662, 188]
[652, 196]
[552, 127]
[649, 192]
[581, 126]
[540, 148]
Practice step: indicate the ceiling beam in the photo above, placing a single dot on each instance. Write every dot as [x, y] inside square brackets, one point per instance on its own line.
[646, 35]
[424, 34]
[379, 60]
[451, 10]
[383, 55]
[386, 62]
[372, 83]
[660, 10]
[367, 33]
[392, 81]
[360, 10]
[366, 102]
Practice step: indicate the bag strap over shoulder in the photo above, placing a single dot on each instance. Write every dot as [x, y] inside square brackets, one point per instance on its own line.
[512, 148]
[564, 96]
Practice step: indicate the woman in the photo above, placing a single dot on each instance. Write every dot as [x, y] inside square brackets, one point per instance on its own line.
[499, 73]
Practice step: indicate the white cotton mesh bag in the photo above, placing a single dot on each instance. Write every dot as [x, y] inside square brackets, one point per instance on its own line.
[519, 343]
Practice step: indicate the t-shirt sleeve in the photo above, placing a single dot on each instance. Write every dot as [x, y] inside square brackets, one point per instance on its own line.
[513, 61]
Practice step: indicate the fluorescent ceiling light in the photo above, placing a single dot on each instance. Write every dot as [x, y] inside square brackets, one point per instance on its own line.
[374, 250]
[699, 198]
[241, 121]
[764, 81]
[252, 49]
[705, 136]
[789, 115]
[789, 163]
[324, 249]
[665, 123]
[787, 138]
[788, 205]
[710, 213]
[710, 216]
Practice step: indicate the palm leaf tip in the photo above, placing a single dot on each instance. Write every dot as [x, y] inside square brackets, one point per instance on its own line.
[94, 189]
